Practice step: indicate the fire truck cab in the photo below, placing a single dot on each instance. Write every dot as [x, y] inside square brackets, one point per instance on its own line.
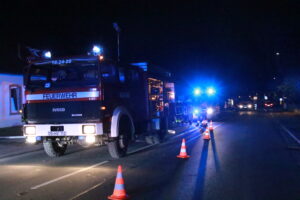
[91, 100]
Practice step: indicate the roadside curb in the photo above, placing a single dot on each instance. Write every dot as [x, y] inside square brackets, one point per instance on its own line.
[11, 137]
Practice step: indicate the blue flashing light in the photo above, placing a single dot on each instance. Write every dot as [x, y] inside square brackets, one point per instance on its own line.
[197, 91]
[210, 91]
[196, 111]
[47, 54]
[141, 65]
[97, 50]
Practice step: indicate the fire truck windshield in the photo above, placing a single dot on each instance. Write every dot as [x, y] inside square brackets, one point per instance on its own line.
[54, 76]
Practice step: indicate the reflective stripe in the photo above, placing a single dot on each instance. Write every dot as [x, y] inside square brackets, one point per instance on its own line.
[119, 187]
[62, 95]
[183, 150]
[119, 175]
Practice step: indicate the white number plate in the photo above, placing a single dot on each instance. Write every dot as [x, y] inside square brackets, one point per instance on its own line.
[57, 133]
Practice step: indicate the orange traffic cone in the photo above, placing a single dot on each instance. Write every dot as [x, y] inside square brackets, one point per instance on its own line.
[183, 153]
[211, 128]
[206, 135]
[119, 190]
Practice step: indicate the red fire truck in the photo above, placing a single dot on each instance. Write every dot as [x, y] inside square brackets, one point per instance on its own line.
[92, 100]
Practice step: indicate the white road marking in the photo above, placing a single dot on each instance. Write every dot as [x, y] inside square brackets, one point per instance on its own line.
[88, 190]
[195, 137]
[290, 133]
[140, 149]
[67, 175]
[218, 126]
[191, 139]
[192, 130]
[185, 132]
[148, 146]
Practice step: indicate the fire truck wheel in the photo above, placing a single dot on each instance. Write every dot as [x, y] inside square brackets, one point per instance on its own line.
[54, 148]
[118, 147]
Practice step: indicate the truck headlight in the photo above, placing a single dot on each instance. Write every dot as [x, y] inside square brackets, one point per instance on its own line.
[89, 129]
[30, 130]
[249, 106]
[210, 111]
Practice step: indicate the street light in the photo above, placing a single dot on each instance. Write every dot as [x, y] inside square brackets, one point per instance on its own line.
[118, 30]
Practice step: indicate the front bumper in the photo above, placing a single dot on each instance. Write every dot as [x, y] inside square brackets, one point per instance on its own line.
[44, 130]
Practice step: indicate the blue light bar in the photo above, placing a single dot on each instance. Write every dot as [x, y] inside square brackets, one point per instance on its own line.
[197, 91]
[141, 65]
[210, 91]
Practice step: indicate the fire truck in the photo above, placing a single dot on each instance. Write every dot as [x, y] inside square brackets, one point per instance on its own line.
[92, 100]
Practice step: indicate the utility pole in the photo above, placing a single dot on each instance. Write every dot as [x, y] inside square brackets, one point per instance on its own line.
[118, 30]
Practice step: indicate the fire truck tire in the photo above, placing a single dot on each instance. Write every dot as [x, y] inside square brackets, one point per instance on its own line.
[118, 147]
[54, 149]
[114, 150]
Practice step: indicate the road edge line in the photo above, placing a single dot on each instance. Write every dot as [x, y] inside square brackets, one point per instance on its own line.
[290, 133]
[67, 175]
[88, 190]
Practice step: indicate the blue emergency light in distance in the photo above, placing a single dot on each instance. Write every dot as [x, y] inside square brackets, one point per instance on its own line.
[197, 91]
[47, 54]
[141, 65]
[97, 50]
[210, 91]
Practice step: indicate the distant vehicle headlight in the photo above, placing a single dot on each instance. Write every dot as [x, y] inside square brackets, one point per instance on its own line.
[249, 106]
[89, 129]
[209, 111]
[241, 106]
[30, 130]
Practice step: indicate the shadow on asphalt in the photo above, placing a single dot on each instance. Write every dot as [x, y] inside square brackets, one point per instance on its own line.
[198, 193]
[215, 153]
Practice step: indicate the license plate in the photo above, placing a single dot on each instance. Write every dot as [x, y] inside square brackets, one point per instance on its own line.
[57, 133]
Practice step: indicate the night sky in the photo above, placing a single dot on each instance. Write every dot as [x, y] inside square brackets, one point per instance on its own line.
[229, 43]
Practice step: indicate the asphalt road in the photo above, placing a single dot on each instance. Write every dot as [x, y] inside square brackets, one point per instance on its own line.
[248, 157]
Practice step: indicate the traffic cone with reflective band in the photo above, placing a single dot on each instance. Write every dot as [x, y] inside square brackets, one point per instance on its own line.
[119, 190]
[211, 128]
[183, 153]
[206, 135]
